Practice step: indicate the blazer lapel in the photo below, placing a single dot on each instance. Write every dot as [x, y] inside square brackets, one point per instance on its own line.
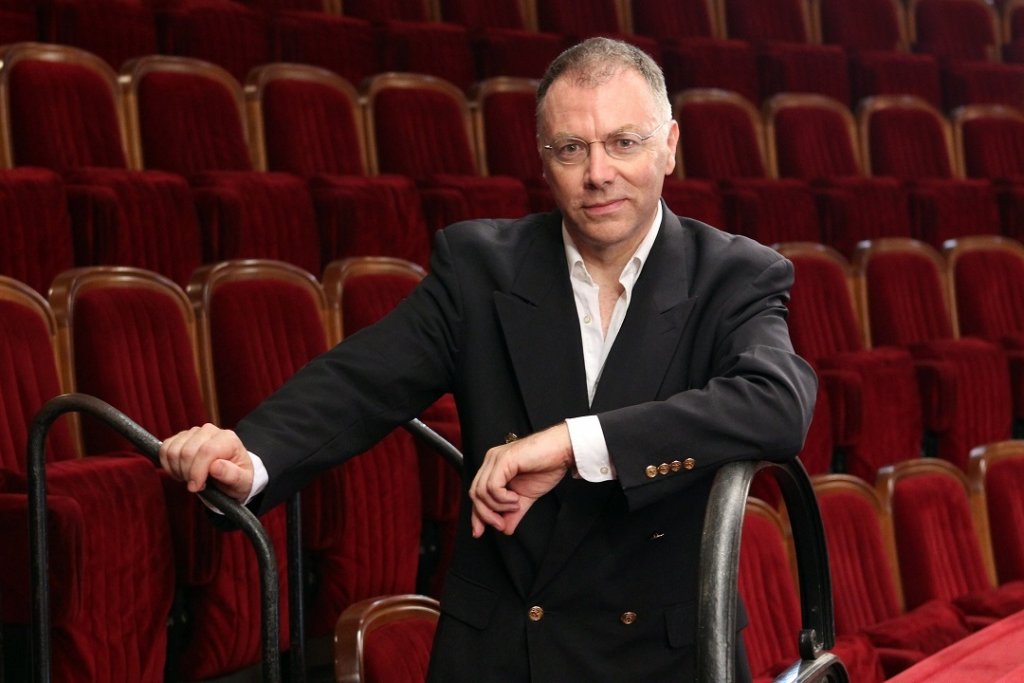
[652, 329]
[633, 372]
[538, 319]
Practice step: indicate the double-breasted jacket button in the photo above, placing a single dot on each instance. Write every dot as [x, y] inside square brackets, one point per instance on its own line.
[675, 465]
[689, 464]
[510, 437]
[627, 618]
[651, 471]
[536, 613]
[663, 468]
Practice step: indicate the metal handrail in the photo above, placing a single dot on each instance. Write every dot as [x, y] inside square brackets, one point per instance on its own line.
[150, 446]
[449, 452]
[719, 569]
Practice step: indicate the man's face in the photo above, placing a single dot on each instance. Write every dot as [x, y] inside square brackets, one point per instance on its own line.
[606, 202]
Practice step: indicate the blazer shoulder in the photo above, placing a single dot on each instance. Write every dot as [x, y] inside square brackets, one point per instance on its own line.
[715, 244]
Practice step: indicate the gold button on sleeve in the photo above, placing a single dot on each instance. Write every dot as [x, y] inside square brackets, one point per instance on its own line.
[651, 471]
[627, 618]
[675, 465]
[689, 463]
[510, 437]
[663, 468]
[536, 613]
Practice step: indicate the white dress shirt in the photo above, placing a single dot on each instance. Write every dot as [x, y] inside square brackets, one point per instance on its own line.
[593, 462]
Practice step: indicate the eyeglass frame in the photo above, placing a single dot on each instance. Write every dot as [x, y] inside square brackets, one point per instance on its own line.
[641, 139]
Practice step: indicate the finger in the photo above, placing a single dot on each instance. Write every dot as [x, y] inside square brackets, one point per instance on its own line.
[171, 457]
[201, 449]
[483, 515]
[477, 525]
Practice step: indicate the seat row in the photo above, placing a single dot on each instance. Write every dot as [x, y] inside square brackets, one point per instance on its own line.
[920, 557]
[132, 551]
[304, 168]
[918, 353]
[755, 47]
[817, 171]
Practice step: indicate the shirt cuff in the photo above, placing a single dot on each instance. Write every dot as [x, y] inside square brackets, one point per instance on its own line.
[593, 463]
[259, 477]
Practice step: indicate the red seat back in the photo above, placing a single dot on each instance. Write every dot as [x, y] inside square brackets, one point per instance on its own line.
[61, 109]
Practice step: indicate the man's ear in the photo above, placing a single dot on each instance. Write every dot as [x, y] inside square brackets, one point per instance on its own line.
[672, 142]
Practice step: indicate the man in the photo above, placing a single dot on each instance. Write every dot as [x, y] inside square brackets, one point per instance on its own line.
[632, 351]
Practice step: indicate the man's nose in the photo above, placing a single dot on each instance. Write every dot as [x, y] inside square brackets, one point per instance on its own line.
[600, 166]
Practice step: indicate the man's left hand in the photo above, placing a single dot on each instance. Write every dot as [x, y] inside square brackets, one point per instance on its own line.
[516, 474]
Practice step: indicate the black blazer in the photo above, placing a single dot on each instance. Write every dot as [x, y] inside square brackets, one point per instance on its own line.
[599, 583]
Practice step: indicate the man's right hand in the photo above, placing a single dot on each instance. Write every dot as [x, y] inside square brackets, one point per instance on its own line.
[208, 451]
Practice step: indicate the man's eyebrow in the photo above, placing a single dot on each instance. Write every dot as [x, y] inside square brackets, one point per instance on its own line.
[625, 128]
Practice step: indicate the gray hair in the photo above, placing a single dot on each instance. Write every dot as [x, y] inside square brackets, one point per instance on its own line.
[596, 60]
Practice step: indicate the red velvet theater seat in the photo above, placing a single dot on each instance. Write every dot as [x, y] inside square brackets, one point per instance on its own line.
[787, 60]
[955, 30]
[60, 112]
[906, 138]
[722, 140]
[989, 141]
[188, 117]
[260, 322]
[345, 45]
[133, 340]
[503, 39]
[579, 19]
[504, 114]
[865, 580]
[443, 163]
[111, 29]
[360, 292]
[814, 138]
[694, 50]
[942, 546]
[997, 473]
[874, 34]
[902, 286]
[986, 276]
[877, 415]
[227, 33]
[35, 232]
[768, 589]
[112, 580]
[309, 122]
[385, 638]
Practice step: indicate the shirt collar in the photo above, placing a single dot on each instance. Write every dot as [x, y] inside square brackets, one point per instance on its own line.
[631, 271]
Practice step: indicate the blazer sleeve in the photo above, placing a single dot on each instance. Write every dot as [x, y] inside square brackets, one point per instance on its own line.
[352, 396]
[756, 402]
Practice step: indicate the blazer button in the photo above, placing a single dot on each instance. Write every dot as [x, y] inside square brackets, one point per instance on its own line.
[689, 464]
[675, 465]
[536, 613]
[510, 437]
[663, 468]
[627, 618]
[651, 471]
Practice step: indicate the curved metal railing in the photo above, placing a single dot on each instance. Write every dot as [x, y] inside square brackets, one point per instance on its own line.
[150, 446]
[719, 559]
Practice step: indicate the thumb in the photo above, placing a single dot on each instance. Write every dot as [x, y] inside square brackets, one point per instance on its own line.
[234, 480]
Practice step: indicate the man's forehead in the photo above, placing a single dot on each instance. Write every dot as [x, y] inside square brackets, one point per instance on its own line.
[570, 98]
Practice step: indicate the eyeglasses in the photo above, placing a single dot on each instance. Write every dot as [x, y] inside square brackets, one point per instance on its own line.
[623, 145]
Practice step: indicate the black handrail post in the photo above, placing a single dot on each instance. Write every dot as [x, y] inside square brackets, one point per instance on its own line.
[719, 569]
[150, 446]
[296, 591]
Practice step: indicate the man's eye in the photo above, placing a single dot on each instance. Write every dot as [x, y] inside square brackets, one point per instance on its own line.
[624, 143]
[569, 148]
